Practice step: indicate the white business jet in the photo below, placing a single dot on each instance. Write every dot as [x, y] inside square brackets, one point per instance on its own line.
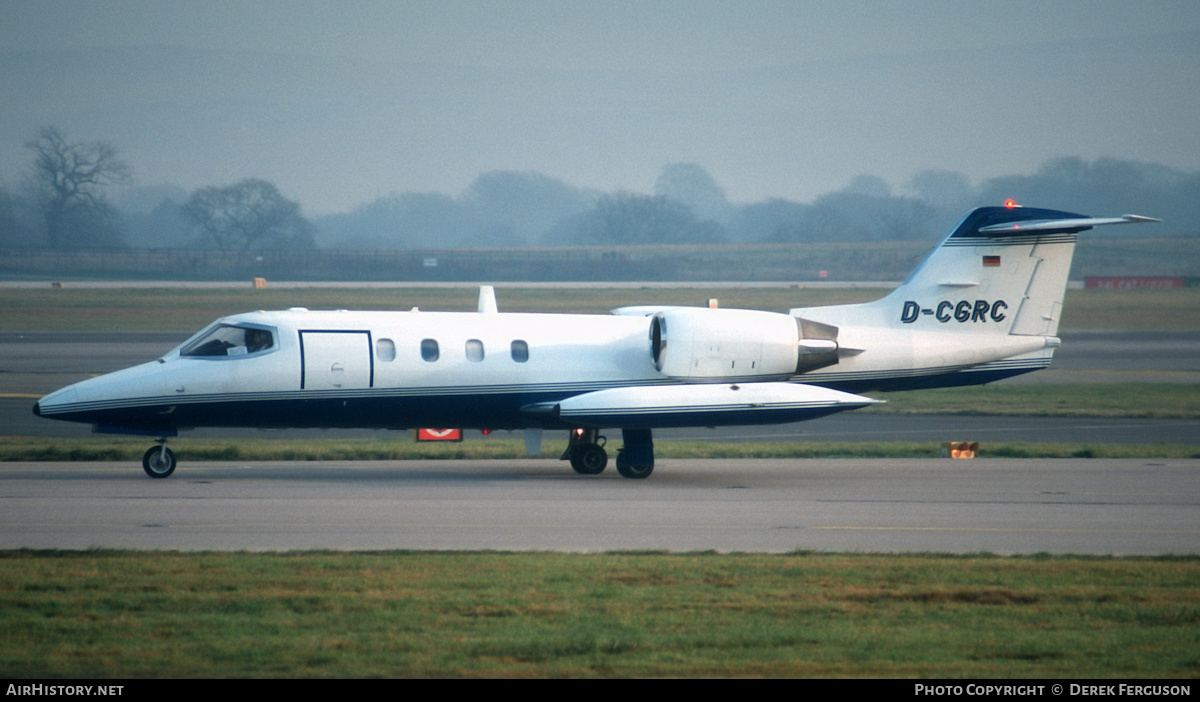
[983, 306]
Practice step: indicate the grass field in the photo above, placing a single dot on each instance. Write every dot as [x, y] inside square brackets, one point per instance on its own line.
[400, 448]
[1104, 255]
[1148, 400]
[187, 310]
[404, 614]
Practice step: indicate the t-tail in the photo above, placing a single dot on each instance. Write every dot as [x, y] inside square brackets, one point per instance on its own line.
[984, 305]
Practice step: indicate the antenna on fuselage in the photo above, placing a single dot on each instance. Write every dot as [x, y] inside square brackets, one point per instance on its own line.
[487, 300]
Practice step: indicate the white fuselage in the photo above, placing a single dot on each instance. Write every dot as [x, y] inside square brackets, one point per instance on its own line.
[374, 369]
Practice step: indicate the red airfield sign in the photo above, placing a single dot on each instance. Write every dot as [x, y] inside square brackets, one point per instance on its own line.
[439, 435]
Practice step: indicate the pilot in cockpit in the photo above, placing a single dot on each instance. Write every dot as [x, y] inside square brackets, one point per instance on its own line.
[229, 340]
[257, 340]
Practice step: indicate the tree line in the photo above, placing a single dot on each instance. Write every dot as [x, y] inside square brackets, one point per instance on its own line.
[66, 202]
[65, 205]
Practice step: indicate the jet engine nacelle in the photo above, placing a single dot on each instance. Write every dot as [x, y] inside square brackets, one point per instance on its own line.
[719, 345]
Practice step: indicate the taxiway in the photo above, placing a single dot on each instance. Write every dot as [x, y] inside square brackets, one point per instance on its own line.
[1004, 506]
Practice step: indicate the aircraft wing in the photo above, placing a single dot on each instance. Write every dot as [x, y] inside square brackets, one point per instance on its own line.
[700, 405]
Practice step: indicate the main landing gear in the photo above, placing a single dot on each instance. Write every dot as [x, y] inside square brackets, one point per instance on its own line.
[159, 461]
[635, 460]
[585, 450]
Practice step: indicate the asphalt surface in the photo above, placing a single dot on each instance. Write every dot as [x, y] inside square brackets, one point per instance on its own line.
[1005, 506]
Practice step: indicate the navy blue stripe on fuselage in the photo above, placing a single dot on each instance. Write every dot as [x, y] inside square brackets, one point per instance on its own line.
[1029, 239]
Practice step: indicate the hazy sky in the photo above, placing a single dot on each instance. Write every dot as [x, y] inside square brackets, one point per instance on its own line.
[663, 36]
[788, 99]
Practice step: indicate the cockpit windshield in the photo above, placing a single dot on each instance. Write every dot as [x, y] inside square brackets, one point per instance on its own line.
[230, 340]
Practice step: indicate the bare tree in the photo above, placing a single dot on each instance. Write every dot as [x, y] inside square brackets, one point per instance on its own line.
[67, 186]
[251, 214]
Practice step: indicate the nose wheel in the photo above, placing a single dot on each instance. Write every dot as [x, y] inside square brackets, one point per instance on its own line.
[159, 461]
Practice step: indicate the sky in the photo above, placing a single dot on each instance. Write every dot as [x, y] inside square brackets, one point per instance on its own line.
[343, 102]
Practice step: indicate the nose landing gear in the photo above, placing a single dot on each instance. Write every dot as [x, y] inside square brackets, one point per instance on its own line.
[159, 461]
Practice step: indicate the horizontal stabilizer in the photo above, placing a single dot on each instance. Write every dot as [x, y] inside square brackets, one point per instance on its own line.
[700, 405]
[1041, 225]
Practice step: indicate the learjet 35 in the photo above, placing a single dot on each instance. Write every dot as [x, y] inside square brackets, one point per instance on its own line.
[983, 306]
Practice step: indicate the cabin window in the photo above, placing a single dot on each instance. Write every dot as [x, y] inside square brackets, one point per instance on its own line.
[520, 351]
[385, 349]
[474, 350]
[230, 340]
[429, 350]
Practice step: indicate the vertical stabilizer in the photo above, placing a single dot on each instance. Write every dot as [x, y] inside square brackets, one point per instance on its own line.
[1001, 270]
[985, 304]
[998, 271]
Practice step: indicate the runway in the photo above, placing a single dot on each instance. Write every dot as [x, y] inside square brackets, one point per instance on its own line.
[1002, 506]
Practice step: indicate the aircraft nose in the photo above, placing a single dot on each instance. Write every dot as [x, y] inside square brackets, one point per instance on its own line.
[52, 404]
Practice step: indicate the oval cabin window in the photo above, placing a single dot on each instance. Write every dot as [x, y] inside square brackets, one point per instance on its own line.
[429, 350]
[474, 350]
[385, 349]
[520, 351]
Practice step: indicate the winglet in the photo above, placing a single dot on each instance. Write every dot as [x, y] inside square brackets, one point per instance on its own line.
[487, 300]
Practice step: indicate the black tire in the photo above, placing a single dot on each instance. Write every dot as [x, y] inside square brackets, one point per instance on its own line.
[589, 459]
[634, 472]
[158, 462]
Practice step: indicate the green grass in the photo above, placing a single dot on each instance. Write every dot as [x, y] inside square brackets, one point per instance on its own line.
[412, 614]
[187, 310]
[1133, 310]
[399, 448]
[1147, 400]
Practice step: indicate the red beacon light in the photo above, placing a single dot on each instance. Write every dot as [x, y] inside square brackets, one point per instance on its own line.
[1011, 203]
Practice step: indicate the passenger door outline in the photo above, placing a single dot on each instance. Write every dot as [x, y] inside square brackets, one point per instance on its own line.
[336, 348]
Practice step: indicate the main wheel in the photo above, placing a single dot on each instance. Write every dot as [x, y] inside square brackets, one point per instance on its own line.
[589, 459]
[635, 472]
[158, 462]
